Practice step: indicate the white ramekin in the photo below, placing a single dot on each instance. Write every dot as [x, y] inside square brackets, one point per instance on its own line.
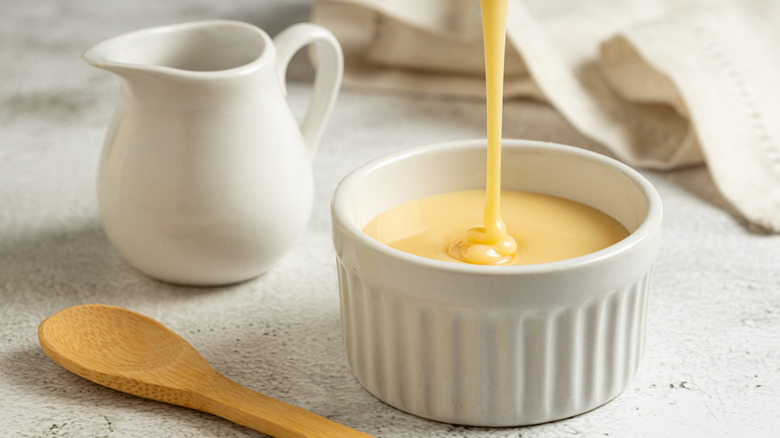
[495, 346]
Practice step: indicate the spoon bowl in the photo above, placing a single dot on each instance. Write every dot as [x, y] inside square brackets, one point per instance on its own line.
[133, 353]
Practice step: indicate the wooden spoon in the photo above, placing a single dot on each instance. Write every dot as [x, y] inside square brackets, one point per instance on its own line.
[133, 353]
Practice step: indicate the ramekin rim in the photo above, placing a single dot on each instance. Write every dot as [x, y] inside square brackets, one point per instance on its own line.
[649, 224]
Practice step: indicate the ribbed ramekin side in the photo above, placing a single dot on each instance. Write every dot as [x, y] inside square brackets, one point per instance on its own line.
[590, 353]
[599, 345]
[491, 366]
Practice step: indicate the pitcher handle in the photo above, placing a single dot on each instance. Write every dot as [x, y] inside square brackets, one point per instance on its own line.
[327, 81]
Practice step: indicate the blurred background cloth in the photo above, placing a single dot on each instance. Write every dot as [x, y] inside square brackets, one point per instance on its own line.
[662, 84]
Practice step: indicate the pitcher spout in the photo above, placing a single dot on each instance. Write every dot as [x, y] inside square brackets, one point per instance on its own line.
[107, 54]
[120, 55]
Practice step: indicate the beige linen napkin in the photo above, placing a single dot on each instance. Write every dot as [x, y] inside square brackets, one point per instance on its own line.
[663, 84]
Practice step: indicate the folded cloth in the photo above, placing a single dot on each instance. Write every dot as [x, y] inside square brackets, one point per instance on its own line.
[662, 84]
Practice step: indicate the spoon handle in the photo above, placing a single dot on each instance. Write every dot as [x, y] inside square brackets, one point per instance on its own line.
[241, 405]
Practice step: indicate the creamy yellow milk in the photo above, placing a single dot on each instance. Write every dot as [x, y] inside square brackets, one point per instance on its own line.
[546, 228]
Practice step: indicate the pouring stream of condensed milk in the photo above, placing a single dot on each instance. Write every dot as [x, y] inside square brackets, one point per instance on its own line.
[490, 244]
[545, 228]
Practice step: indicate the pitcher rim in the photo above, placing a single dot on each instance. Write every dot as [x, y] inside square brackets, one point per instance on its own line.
[98, 55]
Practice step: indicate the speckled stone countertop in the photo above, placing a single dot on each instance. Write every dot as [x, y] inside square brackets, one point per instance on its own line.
[712, 360]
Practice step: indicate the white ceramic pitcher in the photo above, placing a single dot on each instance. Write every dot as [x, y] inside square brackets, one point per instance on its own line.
[205, 174]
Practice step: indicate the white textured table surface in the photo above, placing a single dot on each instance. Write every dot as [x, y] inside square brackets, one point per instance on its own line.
[712, 359]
